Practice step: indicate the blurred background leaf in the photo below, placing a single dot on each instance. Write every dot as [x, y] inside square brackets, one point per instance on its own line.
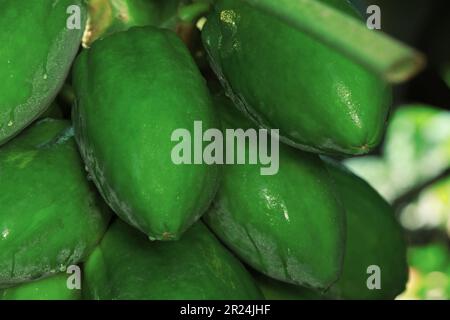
[430, 272]
[416, 149]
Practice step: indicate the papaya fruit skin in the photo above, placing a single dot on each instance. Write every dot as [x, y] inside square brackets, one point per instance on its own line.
[282, 78]
[54, 217]
[374, 237]
[264, 221]
[277, 290]
[124, 116]
[51, 288]
[36, 60]
[126, 266]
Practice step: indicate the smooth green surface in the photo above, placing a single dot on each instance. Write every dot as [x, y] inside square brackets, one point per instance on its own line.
[50, 215]
[289, 226]
[36, 55]
[51, 288]
[284, 79]
[373, 238]
[134, 89]
[126, 266]
[277, 290]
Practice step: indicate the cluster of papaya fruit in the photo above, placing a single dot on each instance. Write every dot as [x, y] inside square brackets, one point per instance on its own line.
[142, 227]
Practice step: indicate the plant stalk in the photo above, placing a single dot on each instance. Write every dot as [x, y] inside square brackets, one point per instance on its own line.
[390, 59]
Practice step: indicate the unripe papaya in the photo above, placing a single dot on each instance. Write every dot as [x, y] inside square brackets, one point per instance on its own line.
[134, 89]
[37, 52]
[277, 290]
[282, 78]
[289, 226]
[375, 265]
[126, 266]
[50, 215]
[51, 288]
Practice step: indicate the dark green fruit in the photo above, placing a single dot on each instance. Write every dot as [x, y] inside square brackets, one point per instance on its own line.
[37, 52]
[128, 266]
[374, 238]
[289, 226]
[278, 290]
[281, 78]
[51, 288]
[50, 215]
[134, 89]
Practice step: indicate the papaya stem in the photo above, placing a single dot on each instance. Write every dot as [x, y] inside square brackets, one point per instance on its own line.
[399, 203]
[392, 60]
[190, 13]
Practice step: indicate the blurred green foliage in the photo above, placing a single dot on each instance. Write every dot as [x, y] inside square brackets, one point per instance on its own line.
[430, 210]
[430, 272]
[417, 148]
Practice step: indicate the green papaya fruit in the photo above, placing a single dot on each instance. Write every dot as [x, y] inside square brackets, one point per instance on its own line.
[50, 215]
[277, 290]
[51, 288]
[39, 52]
[134, 90]
[289, 226]
[281, 78]
[374, 242]
[106, 17]
[126, 266]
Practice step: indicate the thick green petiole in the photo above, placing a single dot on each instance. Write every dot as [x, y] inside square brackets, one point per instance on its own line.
[192, 12]
[392, 60]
